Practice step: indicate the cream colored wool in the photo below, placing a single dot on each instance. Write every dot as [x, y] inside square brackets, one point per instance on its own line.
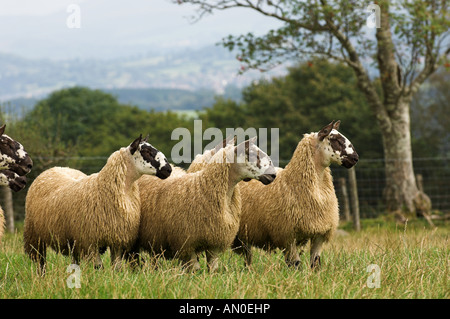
[299, 205]
[187, 214]
[201, 160]
[68, 210]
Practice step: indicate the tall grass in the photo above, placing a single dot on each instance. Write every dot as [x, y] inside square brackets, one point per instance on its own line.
[413, 263]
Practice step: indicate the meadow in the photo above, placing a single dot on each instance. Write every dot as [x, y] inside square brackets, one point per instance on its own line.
[411, 262]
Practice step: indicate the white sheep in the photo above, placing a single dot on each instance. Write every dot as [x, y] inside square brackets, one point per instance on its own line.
[301, 204]
[195, 212]
[13, 155]
[78, 214]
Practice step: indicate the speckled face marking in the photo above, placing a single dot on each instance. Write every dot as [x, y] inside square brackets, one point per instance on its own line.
[336, 147]
[148, 159]
[12, 180]
[258, 165]
[13, 155]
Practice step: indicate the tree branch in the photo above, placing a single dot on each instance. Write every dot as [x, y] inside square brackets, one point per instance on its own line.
[364, 82]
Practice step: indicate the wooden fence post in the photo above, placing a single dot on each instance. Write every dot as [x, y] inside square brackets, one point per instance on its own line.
[354, 198]
[8, 209]
[345, 202]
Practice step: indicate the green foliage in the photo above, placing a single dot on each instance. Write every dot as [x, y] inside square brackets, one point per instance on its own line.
[96, 124]
[430, 118]
[309, 97]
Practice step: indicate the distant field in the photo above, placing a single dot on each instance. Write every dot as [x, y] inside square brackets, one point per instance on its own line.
[410, 262]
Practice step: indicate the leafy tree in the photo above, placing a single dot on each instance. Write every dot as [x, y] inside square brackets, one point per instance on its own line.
[430, 117]
[406, 49]
[306, 99]
[96, 124]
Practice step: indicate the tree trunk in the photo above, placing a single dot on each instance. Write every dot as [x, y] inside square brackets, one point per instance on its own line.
[401, 187]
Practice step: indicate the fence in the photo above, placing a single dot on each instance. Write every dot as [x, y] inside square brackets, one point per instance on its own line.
[370, 178]
[371, 182]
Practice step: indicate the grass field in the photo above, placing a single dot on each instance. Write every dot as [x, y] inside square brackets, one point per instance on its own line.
[412, 261]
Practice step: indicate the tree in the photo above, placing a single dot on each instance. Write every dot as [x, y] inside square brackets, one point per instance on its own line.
[407, 48]
[86, 122]
[303, 100]
[430, 118]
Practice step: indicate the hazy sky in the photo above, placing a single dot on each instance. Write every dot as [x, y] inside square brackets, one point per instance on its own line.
[114, 28]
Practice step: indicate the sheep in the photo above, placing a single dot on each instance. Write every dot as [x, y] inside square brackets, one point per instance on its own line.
[13, 155]
[81, 215]
[301, 204]
[16, 183]
[188, 214]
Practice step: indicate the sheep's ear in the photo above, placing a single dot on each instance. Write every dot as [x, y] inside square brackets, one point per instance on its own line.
[325, 131]
[253, 140]
[135, 145]
[336, 125]
[230, 140]
[2, 129]
[146, 138]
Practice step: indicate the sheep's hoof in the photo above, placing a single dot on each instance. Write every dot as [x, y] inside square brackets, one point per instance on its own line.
[294, 264]
[315, 264]
[98, 265]
[195, 267]
[191, 266]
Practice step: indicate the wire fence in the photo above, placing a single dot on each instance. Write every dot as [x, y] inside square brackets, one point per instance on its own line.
[371, 181]
[370, 176]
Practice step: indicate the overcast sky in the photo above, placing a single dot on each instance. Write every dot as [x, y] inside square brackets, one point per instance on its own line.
[115, 28]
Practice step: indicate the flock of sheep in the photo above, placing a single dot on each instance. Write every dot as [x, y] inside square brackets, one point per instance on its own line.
[231, 196]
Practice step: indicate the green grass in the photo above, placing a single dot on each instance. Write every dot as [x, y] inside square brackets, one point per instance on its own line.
[413, 261]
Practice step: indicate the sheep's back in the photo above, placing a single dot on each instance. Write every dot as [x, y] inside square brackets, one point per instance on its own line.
[176, 214]
[66, 205]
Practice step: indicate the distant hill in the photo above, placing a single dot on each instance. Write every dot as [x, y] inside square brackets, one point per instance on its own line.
[211, 68]
[171, 99]
[147, 99]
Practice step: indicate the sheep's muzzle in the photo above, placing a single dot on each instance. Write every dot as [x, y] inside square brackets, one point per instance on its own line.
[164, 171]
[267, 178]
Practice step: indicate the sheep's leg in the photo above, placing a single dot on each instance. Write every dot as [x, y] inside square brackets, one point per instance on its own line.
[302, 246]
[291, 255]
[191, 263]
[248, 255]
[40, 255]
[241, 248]
[116, 258]
[75, 258]
[316, 249]
[37, 253]
[133, 258]
[212, 259]
[98, 263]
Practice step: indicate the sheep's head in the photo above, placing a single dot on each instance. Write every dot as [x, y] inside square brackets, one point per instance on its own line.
[12, 180]
[336, 148]
[148, 160]
[254, 163]
[12, 155]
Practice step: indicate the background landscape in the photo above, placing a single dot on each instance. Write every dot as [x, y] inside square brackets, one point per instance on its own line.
[72, 96]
